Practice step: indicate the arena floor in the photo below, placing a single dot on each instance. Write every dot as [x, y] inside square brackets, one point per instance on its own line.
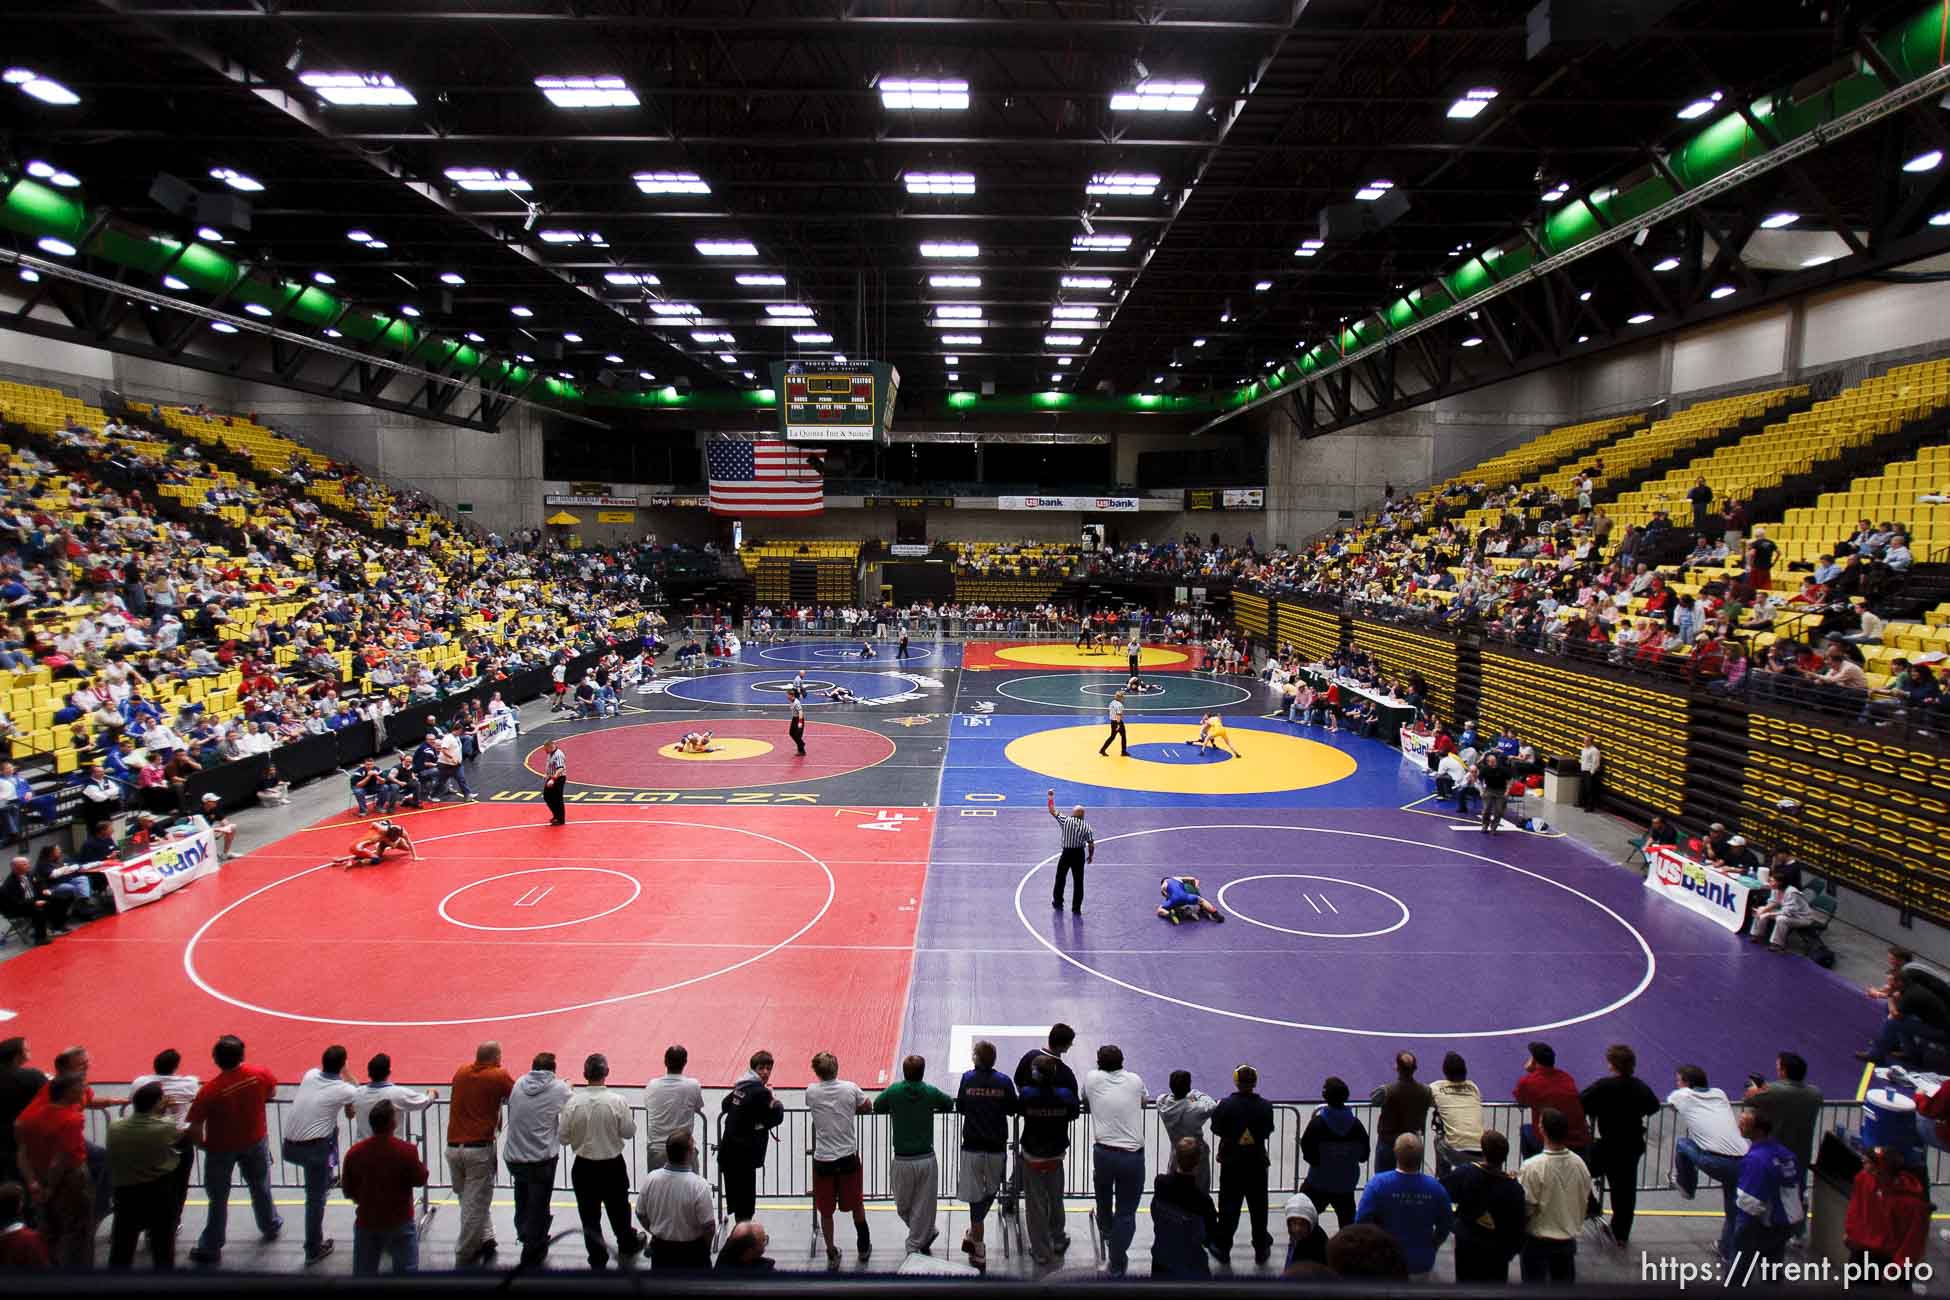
[888, 893]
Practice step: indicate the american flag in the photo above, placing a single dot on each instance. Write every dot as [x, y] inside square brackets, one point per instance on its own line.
[765, 477]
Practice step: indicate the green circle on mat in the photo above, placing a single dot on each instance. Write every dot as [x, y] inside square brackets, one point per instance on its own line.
[1091, 692]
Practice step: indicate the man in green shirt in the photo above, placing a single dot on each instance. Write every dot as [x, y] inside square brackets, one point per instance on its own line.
[142, 1160]
[913, 1103]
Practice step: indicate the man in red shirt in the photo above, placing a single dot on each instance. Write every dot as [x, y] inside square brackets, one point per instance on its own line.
[54, 1160]
[1544, 1085]
[227, 1121]
[481, 1089]
[379, 1175]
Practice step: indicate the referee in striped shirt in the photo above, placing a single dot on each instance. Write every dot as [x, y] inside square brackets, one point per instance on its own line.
[1079, 847]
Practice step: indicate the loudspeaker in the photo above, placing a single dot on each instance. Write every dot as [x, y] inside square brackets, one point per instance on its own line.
[1556, 22]
[556, 349]
[682, 383]
[224, 211]
[446, 302]
[988, 388]
[173, 194]
[1388, 209]
[1342, 221]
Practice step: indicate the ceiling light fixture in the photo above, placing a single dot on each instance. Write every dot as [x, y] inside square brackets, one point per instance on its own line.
[1924, 162]
[454, 278]
[812, 336]
[409, 310]
[358, 89]
[1261, 286]
[45, 89]
[711, 336]
[1776, 220]
[587, 92]
[359, 236]
[236, 180]
[1087, 282]
[1557, 191]
[473, 337]
[728, 358]
[1666, 264]
[939, 182]
[1638, 318]
[1066, 312]
[1123, 184]
[481, 180]
[1699, 107]
[962, 340]
[760, 278]
[725, 247]
[936, 248]
[1473, 341]
[951, 359]
[788, 310]
[171, 282]
[1373, 190]
[673, 309]
[1100, 243]
[671, 183]
[257, 309]
[571, 337]
[627, 278]
[45, 171]
[1472, 103]
[1308, 247]
[1063, 340]
[523, 312]
[1158, 97]
[923, 93]
[223, 327]
[954, 282]
[58, 247]
[1722, 291]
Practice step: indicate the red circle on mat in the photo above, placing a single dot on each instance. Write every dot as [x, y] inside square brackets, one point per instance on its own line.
[629, 758]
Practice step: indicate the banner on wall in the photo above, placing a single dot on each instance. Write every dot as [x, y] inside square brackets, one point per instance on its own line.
[163, 870]
[500, 730]
[616, 516]
[909, 503]
[585, 499]
[1088, 505]
[662, 502]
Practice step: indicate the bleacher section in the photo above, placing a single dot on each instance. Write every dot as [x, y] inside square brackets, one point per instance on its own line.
[1314, 633]
[1641, 731]
[1809, 532]
[804, 572]
[1249, 611]
[1401, 652]
[1625, 456]
[1854, 418]
[1547, 451]
[1871, 813]
[1006, 591]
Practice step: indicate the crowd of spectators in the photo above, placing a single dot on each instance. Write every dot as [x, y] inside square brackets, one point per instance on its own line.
[1442, 1169]
[136, 566]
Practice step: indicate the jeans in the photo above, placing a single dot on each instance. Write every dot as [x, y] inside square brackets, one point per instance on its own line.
[315, 1158]
[1753, 1239]
[385, 798]
[254, 1162]
[1120, 1183]
[452, 777]
[401, 1243]
[534, 1183]
[1689, 1161]
[1904, 1034]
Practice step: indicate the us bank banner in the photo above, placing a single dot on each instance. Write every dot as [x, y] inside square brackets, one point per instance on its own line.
[1088, 505]
[1717, 895]
[163, 870]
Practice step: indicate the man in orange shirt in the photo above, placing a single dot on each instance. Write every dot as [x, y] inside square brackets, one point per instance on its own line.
[227, 1121]
[473, 1118]
[54, 1161]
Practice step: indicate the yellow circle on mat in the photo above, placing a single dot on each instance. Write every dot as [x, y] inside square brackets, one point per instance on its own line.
[1055, 655]
[1272, 761]
[722, 747]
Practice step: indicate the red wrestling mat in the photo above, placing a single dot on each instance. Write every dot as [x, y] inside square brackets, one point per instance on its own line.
[1155, 658]
[725, 929]
[751, 752]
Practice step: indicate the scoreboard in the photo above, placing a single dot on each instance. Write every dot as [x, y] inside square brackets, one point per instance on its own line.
[825, 401]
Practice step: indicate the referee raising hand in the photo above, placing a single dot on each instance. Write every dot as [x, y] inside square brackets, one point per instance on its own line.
[1079, 847]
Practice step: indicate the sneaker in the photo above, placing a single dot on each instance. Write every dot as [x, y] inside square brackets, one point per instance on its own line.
[832, 1257]
[276, 1229]
[927, 1247]
[864, 1242]
[324, 1249]
[1172, 917]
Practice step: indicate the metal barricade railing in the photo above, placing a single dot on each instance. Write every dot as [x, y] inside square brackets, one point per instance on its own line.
[788, 1167]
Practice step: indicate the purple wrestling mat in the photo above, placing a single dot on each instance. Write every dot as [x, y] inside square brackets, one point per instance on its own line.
[1350, 935]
